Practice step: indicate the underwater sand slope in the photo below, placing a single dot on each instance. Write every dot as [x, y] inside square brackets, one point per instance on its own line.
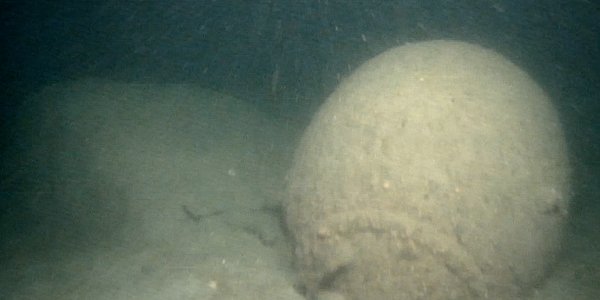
[149, 192]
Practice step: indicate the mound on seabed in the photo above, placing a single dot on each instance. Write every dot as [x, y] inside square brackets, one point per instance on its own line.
[437, 170]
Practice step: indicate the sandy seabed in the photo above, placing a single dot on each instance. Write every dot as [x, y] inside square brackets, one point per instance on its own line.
[174, 192]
